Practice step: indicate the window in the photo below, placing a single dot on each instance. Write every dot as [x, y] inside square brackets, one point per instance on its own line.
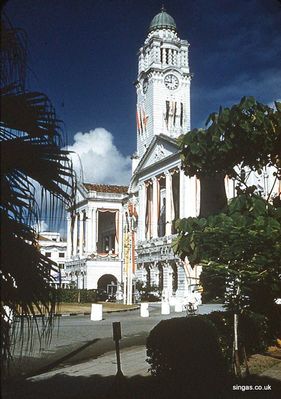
[61, 265]
[48, 254]
[61, 254]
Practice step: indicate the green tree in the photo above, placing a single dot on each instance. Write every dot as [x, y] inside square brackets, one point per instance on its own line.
[247, 136]
[238, 242]
[33, 166]
[243, 245]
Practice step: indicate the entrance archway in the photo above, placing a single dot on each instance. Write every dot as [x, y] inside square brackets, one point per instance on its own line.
[108, 283]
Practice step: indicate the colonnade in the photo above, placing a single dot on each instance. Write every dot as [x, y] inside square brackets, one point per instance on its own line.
[169, 277]
[187, 202]
[82, 238]
[173, 278]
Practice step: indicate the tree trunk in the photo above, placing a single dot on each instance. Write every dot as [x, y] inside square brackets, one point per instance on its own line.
[236, 347]
[212, 194]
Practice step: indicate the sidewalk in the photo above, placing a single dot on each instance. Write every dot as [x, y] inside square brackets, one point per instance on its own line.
[92, 379]
[132, 363]
[95, 379]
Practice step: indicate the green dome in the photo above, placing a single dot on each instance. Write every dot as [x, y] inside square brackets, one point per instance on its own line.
[162, 20]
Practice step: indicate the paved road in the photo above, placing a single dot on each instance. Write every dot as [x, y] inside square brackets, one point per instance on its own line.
[77, 338]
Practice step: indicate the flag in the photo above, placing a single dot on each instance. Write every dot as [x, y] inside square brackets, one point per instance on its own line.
[145, 117]
[138, 121]
[167, 113]
[133, 253]
[141, 121]
[175, 113]
[181, 117]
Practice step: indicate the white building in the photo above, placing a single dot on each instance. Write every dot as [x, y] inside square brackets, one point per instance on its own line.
[162, 190]
[119, 234]
[95, 241]
[52, 246]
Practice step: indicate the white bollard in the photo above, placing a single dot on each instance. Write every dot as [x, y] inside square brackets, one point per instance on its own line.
[96, 312]
[178, 307]
[144, 312]
[165, 308]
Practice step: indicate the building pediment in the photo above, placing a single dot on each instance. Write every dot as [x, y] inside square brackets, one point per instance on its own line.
[161, 151]
[160, 148]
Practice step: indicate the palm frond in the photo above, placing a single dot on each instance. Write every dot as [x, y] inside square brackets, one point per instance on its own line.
[32, 162]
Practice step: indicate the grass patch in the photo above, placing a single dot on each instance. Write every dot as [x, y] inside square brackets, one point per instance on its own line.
[86, 307]
[259, 363]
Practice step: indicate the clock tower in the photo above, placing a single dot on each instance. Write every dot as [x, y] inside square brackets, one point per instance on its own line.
[163, 83]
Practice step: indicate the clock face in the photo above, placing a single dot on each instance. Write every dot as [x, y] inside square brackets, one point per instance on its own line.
[171, 82]
[145, 86]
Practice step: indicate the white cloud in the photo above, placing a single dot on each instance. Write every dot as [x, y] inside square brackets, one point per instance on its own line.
[41, 226]
[99, 158]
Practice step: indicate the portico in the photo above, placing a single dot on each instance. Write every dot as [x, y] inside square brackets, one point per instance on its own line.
[95, 234]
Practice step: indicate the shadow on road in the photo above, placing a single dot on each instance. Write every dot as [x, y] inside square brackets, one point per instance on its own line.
[138, 387]
[62, 359]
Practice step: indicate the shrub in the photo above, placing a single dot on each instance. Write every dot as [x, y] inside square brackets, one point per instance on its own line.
[148, 293]
[252, 332]
[223, 322]
[186, 349]
[73, 295]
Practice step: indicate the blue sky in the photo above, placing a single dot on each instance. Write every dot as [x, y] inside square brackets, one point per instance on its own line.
[83, 55]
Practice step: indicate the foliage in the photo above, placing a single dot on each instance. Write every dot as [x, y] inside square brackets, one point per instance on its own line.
[184, 349]
[238, 242]
[148, 292]
[34, 168]
[223, 321]
[213, 284]
[243, 244]
[74, 295]
[245, 137]
[247, 134]
[253, 331]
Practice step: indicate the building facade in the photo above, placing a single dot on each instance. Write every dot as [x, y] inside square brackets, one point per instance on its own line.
[117, 234]
[95, 237]
[160, 188]
[52, 246]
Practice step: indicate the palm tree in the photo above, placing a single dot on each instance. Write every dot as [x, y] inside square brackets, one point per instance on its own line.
[31, 160]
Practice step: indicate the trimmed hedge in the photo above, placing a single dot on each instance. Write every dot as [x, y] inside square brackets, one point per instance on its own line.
[73, 295]
[186, 349]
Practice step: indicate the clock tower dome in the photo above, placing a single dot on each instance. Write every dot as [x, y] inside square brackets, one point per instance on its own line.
[163, 83]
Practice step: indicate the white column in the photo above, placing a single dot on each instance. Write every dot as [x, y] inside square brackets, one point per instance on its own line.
[120, 233]
[74, 237]
[80, 233]
[155, 207]
[68, 237]
[190, 196]
[142, 210]
[89, 232]
[168, 203]
[183, 197]
[94, 228]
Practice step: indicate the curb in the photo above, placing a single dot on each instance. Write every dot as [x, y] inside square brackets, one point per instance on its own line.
[88, 313]
[82, 313]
